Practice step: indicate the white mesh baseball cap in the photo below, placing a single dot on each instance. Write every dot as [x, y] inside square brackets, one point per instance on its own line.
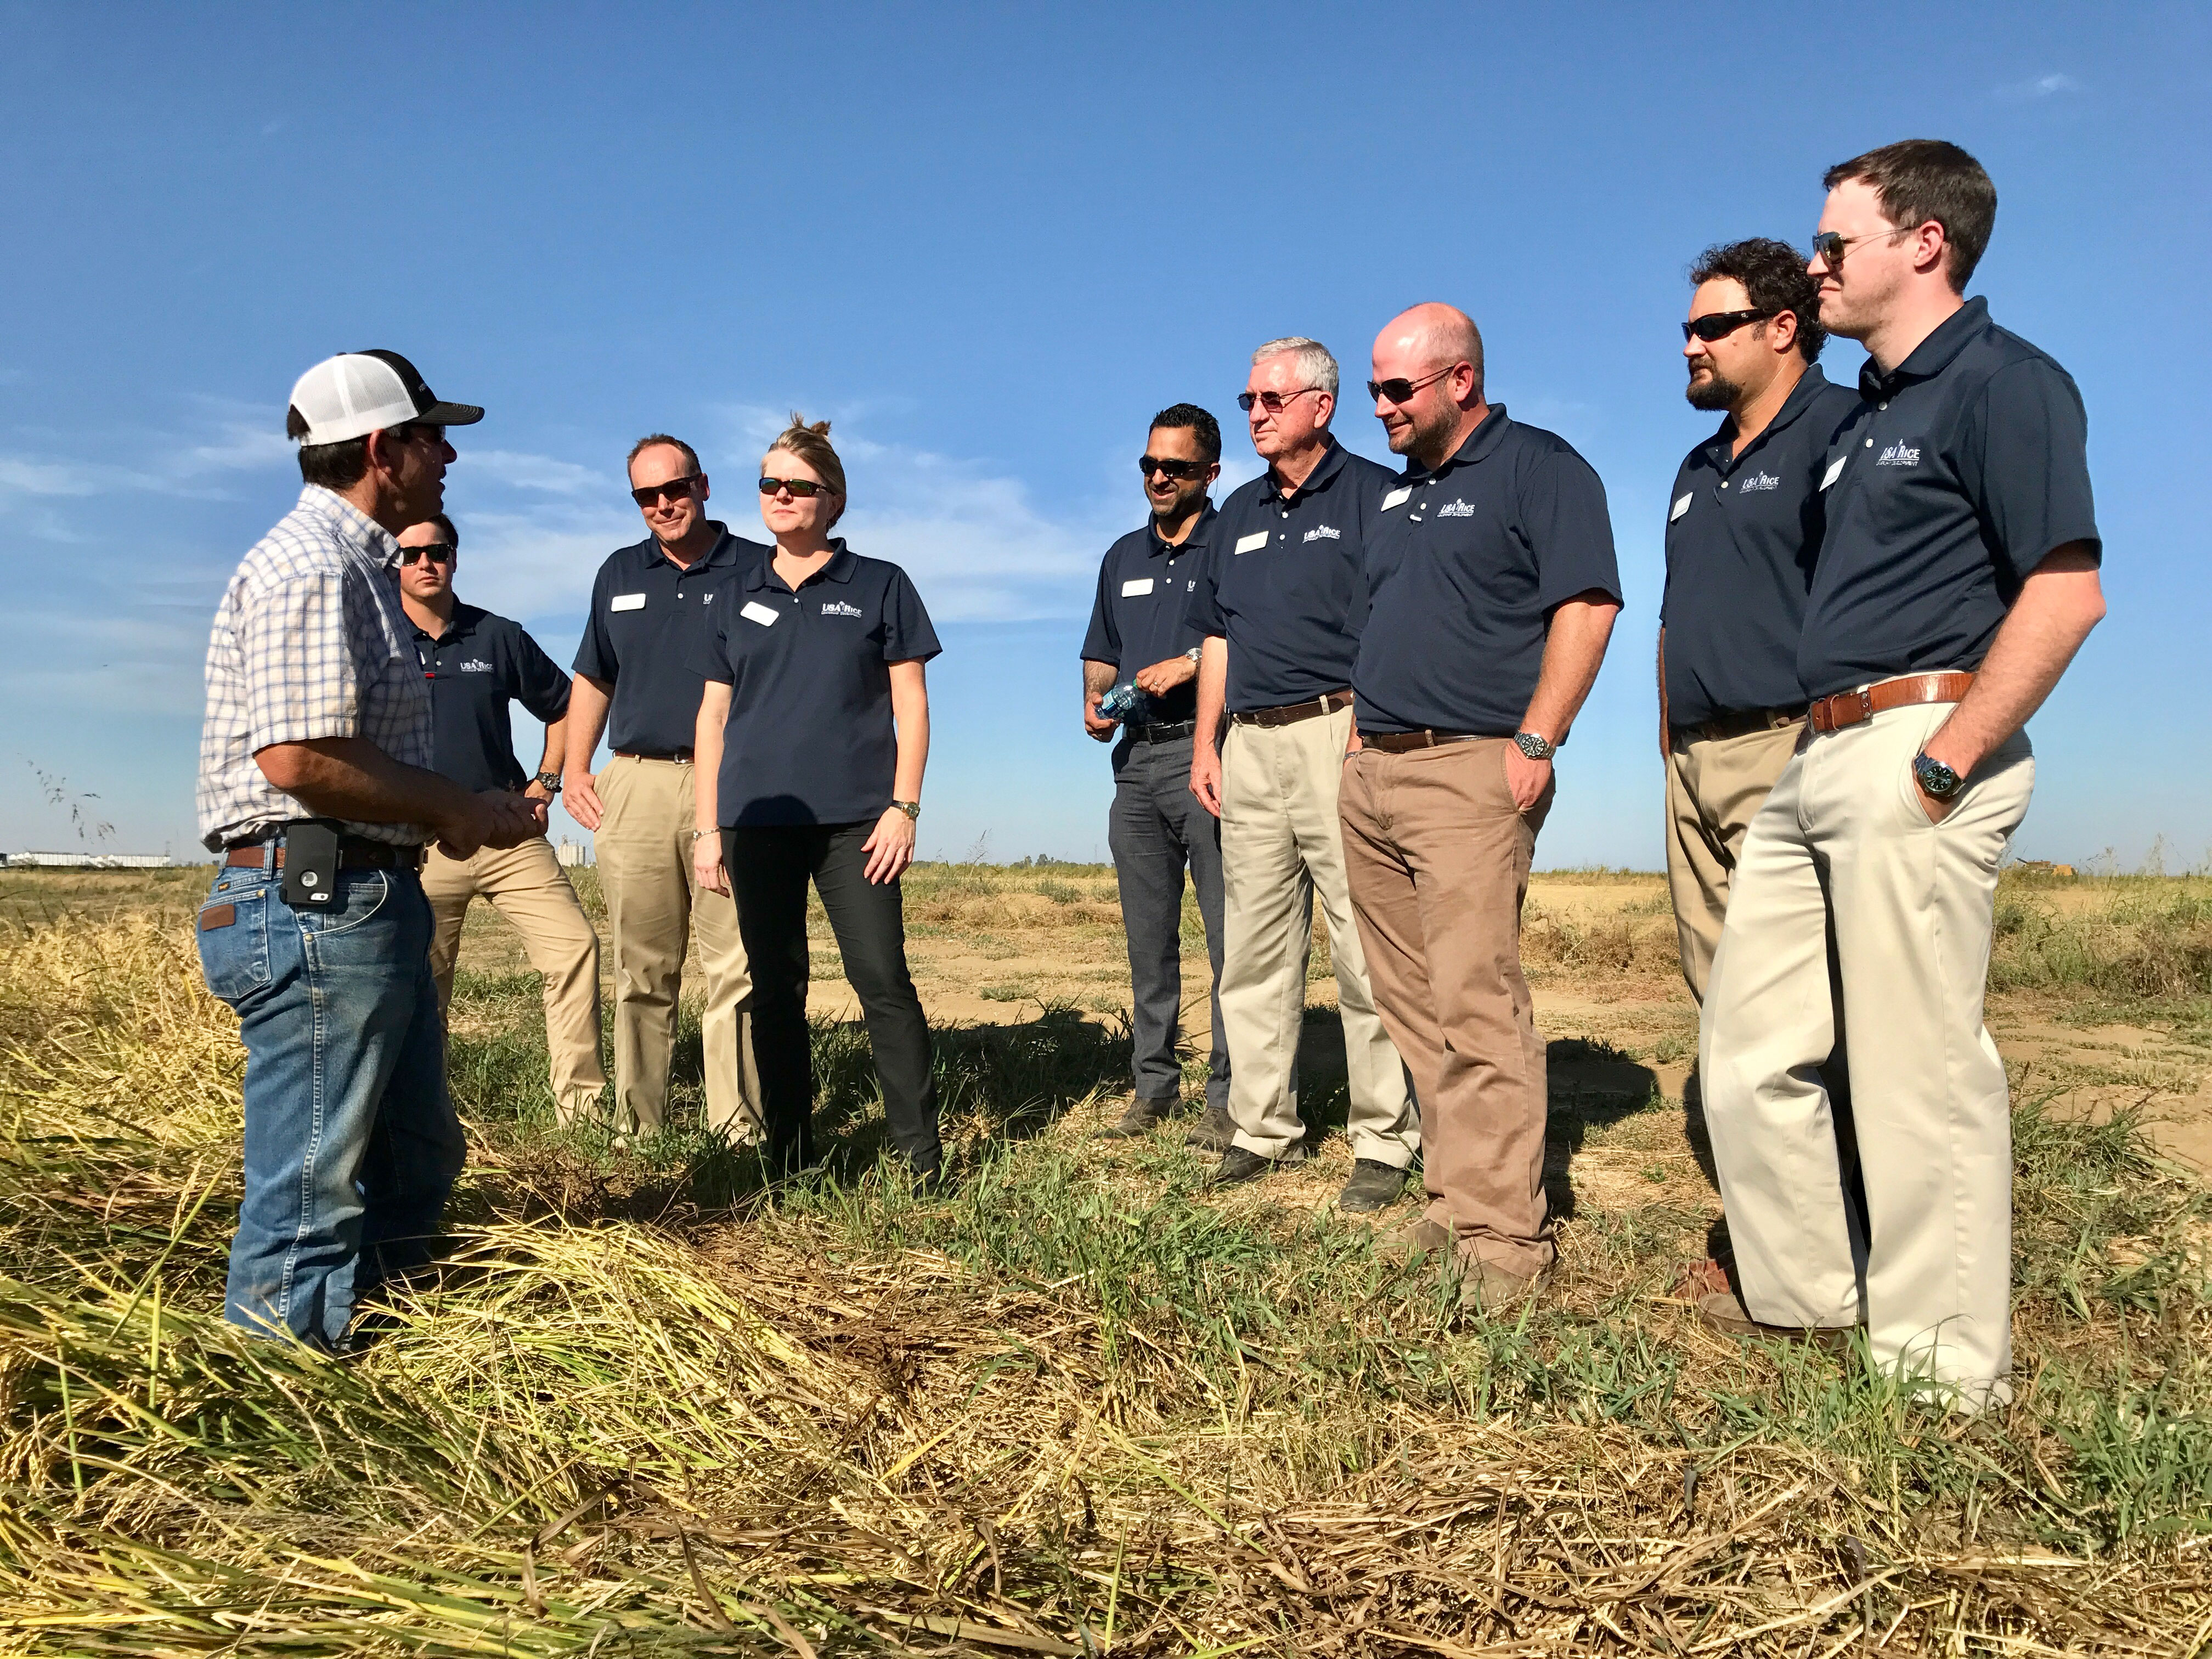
[359, 393]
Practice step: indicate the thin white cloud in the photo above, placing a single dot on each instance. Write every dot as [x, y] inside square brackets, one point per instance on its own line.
[2036, 87]
[540, 473]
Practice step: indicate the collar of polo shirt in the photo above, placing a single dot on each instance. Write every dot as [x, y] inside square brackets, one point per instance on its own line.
[839, 569]
[1479, 442]
[1189, 543]
[1331, 463]
[1933, 354]
[1810, 384]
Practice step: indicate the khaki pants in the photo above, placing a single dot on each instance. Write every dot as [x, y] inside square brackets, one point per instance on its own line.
[644, 844]
[1280, 845]
[1438, 858]
[1853, 918]
[528, 886]
[1714, 787]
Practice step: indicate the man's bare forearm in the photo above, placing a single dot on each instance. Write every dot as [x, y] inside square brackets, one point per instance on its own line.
[1212, 690]
[1666, 730]
[352, 778]
[1574, 649]
[2057, 606]
[557, 747]
[1097, 679]
[587, 719]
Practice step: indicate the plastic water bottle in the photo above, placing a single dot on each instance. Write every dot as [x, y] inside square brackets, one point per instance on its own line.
[1124, 703]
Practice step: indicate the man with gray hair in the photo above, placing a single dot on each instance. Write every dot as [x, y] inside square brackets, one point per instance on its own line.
[1280, 604]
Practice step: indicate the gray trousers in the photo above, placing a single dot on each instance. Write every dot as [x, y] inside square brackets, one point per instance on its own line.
[1156, 828]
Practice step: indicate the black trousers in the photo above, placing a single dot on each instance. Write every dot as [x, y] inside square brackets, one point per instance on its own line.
[769, 869]
[1156, 829]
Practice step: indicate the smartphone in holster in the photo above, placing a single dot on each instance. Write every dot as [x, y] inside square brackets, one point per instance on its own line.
[311, 864]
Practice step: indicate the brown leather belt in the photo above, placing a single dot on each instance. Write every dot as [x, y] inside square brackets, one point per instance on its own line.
[682, 757]
[355, 852]
[1397, 743]
[1740, 723]
[1856, 708]
[1290, 714]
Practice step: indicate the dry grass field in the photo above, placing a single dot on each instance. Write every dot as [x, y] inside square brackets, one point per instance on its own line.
[1082, 1406]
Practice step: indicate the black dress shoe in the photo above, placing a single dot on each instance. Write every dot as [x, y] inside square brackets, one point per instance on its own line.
[1238, 1166]
[1373, 1186]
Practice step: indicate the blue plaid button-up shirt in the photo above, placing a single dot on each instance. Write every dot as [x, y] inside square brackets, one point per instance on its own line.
[310, 641]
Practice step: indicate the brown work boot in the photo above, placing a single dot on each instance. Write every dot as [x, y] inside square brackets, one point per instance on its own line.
[1723, 1310]
[1486, 1287]
[1420, 1238]
[1140, 1118]
[1213, 1132]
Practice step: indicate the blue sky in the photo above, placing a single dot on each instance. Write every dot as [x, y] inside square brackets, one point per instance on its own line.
[990, 242]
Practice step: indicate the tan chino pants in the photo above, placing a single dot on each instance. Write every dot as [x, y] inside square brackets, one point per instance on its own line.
[1438, 855]
[1843, 867]
[653, 905]
[526, 885]
[1281, 847]
[1714, 787]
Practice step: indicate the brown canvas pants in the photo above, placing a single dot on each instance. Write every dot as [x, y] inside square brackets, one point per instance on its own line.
[1714, 787]
[653, 906]
[1437, 857]
[528, 886]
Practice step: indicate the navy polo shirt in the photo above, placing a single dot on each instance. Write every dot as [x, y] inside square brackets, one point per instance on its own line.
[1743, 534]
[1137, 617]
[1282, 580]
[648, 617]
[810, 738]
[475, 667]
[1464, 570]
[1959, 471]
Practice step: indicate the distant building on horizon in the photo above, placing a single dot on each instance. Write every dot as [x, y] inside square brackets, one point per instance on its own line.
[85, 861]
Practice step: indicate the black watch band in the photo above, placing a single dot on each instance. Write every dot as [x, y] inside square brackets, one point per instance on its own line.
[549, 782]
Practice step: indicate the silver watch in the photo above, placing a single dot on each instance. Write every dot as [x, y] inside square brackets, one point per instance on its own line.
[1533, 747]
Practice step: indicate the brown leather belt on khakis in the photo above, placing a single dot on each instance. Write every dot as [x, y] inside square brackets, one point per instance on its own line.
[682, 757]
[1290, 714]
[355, 852]
[1856, 708]
[1740, 723]
[1398, 742]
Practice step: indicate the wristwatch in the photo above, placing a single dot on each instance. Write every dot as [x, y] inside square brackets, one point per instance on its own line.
[911, 808]
[1195, 653]
[1533, 747]
[549, 782]
[1936, 779]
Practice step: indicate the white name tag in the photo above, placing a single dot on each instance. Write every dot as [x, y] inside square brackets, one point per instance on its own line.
[1681, 506]
[1835, 467]
[1397, 498]
[1137, 586]
[1253, 543]
[627, 602]
[756, 612]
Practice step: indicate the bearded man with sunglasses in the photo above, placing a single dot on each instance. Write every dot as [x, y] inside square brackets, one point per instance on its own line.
[1958, 576]
[1493, 588]
[477, 664]
[1743, 535]
[316, 790]
[636, 682]
[1157, 829]
[1280, 604]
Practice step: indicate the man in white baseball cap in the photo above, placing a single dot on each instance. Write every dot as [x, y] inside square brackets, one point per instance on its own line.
[316, 792]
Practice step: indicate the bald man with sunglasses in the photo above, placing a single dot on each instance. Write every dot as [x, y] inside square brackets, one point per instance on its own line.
[635, 682]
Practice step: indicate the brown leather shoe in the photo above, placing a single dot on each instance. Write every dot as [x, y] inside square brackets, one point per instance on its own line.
[1485, 1285]
[1140, 1118]
[1723, 1311]
[1418, 1237]
[1700, 1279]
[1213, 1132]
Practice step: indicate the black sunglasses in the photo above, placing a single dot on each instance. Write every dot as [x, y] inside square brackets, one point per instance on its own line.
[1719, 324]
[1272, 402]
[804, 488]
[1149, 464]
[435, 552]
[1829, 246]
[1399, 390]
[675, 489]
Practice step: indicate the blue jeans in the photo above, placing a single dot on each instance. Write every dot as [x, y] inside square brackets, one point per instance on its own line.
[351, 1144]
